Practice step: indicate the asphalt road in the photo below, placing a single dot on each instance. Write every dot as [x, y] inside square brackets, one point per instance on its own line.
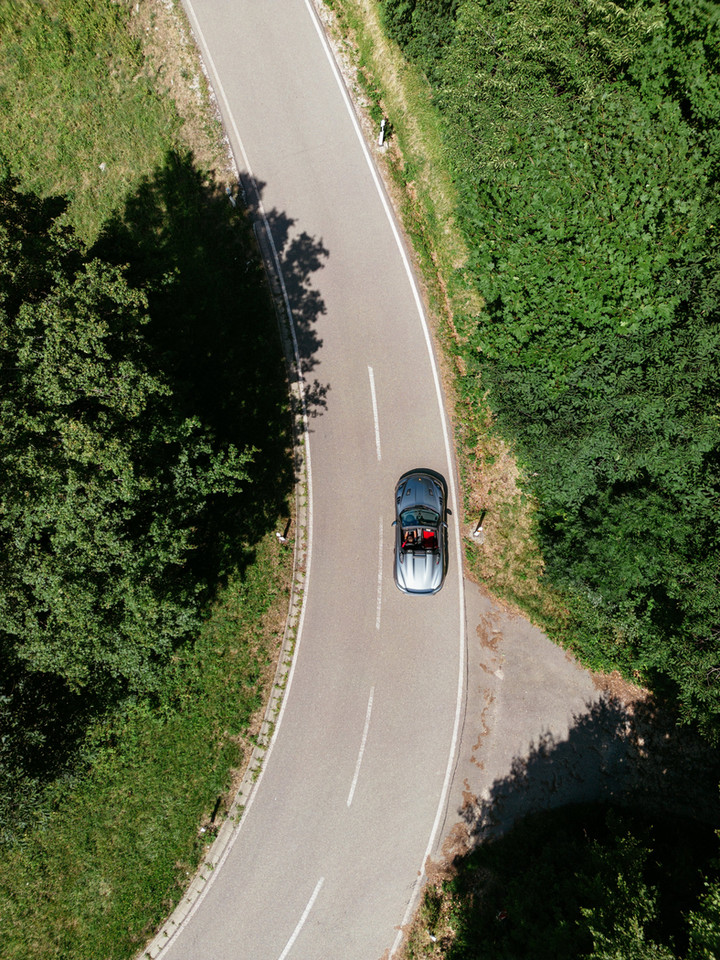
[328, 857]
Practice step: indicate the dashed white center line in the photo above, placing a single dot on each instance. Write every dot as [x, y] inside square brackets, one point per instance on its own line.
[375, 413]
[303, 918]
[379, 580]
[362, 748]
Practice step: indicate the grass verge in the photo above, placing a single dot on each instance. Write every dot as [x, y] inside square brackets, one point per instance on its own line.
[92, 96]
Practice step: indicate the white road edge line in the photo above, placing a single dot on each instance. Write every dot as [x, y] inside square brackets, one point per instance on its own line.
[362, 746]
[375, 413]
[451, 471]
[303, 918]
[220, 91]
[380, 571]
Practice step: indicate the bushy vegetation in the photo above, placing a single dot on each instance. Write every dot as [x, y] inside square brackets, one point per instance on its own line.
[584, 141]
[590, 882]
[107, 479]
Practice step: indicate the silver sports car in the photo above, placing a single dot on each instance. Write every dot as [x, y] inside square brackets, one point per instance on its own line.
[420, 532]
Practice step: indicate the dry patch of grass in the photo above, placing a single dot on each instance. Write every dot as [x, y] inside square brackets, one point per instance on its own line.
[172, 63]
[504, 555]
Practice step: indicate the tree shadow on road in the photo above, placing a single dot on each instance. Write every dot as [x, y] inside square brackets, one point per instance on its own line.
[284, 250]
[607, 832]
[631, 754]
[211, 327]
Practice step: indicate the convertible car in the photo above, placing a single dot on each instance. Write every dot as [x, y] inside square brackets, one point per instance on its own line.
[420, 532]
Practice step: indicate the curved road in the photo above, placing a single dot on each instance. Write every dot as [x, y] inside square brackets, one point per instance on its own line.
[327, 858]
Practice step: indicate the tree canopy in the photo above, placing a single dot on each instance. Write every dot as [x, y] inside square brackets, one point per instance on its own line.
[590, 882]
[106, 482]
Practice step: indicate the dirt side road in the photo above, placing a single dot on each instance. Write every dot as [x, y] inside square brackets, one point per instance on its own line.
[540, 731]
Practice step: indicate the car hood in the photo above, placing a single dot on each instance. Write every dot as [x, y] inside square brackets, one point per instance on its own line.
[418, 490]
[419, 571]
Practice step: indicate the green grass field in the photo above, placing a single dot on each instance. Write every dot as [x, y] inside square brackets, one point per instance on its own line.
[85, 104]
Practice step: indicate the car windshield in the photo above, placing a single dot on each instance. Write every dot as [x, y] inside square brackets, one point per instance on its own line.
[419, 517]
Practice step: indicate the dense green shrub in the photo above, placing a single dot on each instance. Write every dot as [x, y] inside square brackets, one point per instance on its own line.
[592, 882]
[421, 27]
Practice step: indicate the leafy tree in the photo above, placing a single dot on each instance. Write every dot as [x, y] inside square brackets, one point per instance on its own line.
[623, 903]
[105, 483]
[705, 926]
